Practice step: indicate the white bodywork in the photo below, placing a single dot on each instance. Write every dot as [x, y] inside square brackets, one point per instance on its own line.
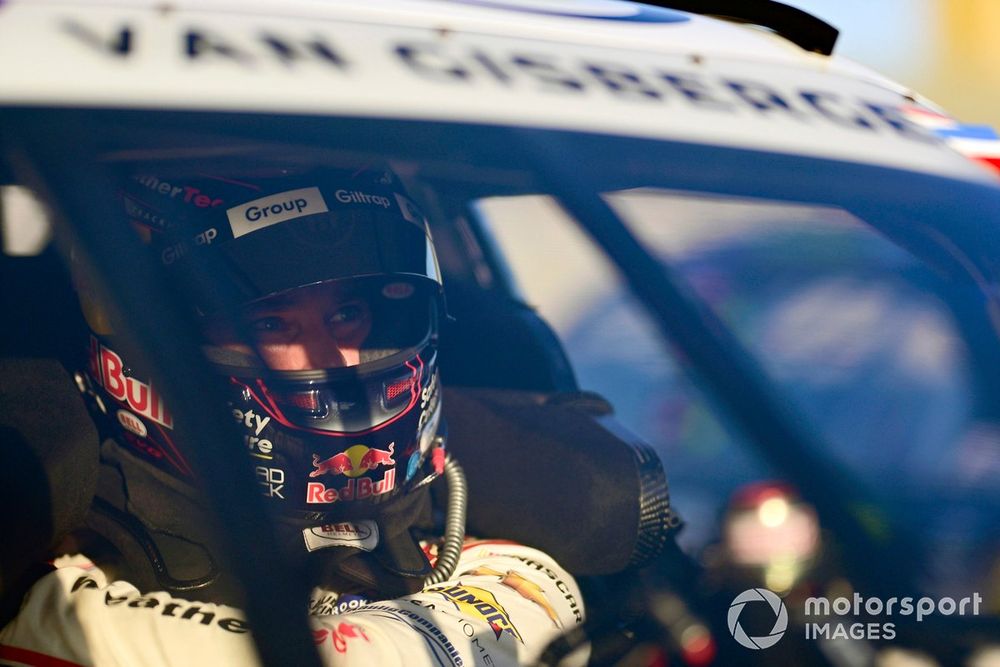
[697, 79]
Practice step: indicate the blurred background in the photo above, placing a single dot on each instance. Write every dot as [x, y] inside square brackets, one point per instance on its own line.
[865, 343]
[947, 50]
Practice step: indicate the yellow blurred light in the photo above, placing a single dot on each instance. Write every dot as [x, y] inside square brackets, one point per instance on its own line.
[773, 512]
[781, 576]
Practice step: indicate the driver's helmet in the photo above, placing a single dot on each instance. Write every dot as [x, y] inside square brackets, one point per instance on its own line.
[319, 297]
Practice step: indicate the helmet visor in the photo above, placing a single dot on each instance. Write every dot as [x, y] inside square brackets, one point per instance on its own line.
[336, 355]
[347, 403]
[325, 326]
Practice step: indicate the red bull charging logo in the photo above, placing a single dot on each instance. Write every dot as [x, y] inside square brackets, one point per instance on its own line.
[352, 463]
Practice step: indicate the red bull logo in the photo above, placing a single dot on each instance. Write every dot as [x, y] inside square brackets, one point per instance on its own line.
[352, 463]
[337, 464]
[355, 489]
[107, 367]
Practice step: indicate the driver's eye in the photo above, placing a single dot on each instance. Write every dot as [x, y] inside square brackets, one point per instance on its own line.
[265, 325]
[347, 314]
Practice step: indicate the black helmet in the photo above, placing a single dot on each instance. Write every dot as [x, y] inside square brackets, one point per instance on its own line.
[320, 298]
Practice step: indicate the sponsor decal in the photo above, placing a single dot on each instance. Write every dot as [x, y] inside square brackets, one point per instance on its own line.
[475, 602]
[362, 535]
[335, 465]
[318, 494]
[484, 655]
[358, 197]
[260, 448]
[109, 370]
[353, 461]
[355, 489]
[271, 210]
[410, 211]
[143, 215]
[398, 291]
[181, 610]
[272, 480]
[329, 604]
[561, 586]
[430, 413]
[172, 253]
[132, 423]
[339, 635]
[185, 193]
[413, 465]
[436, 639]
[529, 590]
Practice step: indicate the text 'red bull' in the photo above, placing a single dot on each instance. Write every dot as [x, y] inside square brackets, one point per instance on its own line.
[107, 367]
[356, 489]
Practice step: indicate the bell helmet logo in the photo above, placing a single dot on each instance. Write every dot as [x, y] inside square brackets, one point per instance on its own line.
[780, 618]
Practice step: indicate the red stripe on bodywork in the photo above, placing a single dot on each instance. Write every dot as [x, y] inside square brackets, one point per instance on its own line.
[989, 161]
[28, 657]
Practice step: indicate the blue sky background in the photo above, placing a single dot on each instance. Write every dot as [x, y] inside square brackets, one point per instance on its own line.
[946, 50]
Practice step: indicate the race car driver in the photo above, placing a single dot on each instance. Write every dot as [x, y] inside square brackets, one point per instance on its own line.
[319, 298]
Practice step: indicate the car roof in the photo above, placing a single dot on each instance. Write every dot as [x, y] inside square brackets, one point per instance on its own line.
[606, 67]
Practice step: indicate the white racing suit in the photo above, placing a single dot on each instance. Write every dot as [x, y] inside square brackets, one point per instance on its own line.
[502, 606]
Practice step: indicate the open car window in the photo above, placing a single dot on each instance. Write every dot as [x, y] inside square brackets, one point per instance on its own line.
[716, 310]
[869, 315]
[23, 221]
[876, 347]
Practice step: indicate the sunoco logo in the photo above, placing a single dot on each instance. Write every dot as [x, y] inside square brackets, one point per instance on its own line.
[780, 618]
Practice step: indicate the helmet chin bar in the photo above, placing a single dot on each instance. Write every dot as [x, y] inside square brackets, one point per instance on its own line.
[157, 520]
[140, 510]
[348, 568]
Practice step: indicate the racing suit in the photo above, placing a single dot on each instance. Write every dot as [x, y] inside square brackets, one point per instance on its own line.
[502, 606]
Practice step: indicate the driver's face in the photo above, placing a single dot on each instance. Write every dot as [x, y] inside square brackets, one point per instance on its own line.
[315, 327]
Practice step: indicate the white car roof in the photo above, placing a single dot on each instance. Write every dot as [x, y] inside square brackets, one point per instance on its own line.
[592, 65]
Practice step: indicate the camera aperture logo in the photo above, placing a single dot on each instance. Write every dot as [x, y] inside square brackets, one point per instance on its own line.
[780, 618]
[857, 617]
